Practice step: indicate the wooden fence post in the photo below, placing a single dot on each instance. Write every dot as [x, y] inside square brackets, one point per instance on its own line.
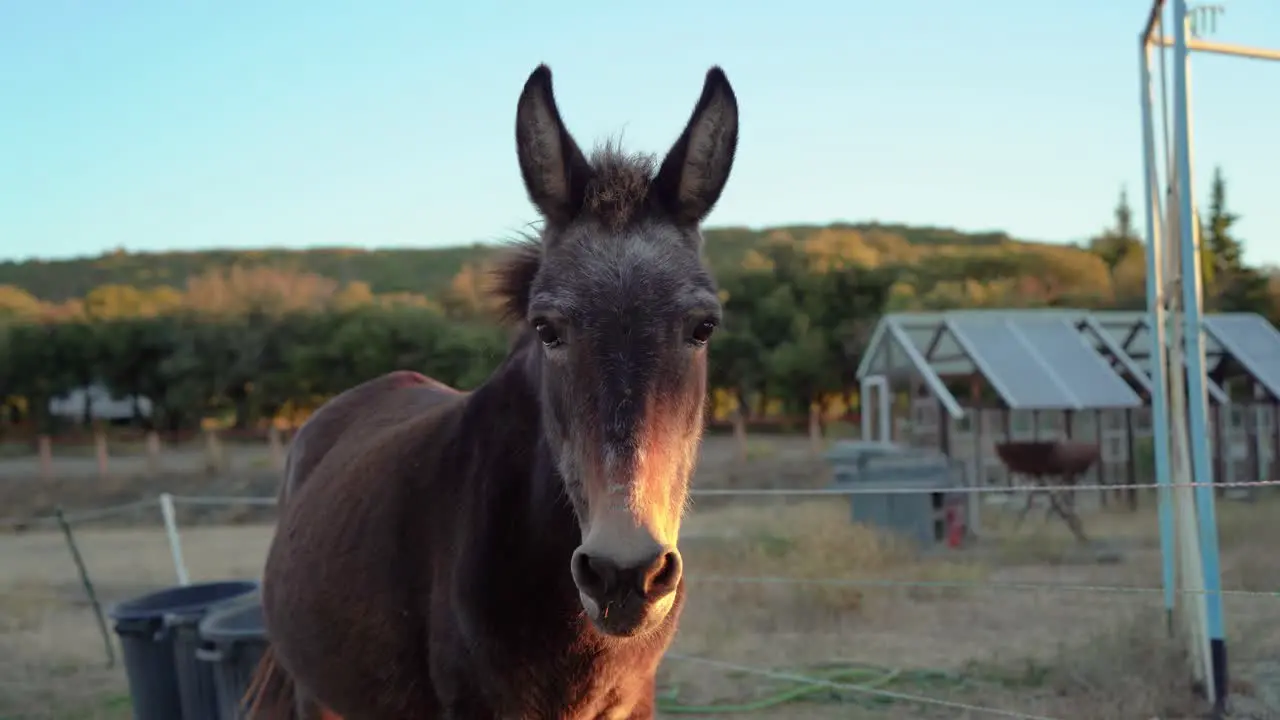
[45, 446]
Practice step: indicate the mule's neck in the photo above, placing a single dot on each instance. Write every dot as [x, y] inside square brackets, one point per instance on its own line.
[525, 489]
[516, 601]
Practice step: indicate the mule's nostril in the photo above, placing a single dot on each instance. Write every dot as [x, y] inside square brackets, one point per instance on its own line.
[604, 572]
[605, 581]
[595, 576]
[663, 575]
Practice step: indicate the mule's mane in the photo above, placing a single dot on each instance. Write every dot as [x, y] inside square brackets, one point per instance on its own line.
[513, 274]
[619, 189]
[616, 195]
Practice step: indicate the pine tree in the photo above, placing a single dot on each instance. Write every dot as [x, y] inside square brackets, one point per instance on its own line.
[1124, 216]
[1230, 284]
[1227, 254]
[1115, 243]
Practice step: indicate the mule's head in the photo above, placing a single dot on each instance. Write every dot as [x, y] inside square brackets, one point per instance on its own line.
[622, 307]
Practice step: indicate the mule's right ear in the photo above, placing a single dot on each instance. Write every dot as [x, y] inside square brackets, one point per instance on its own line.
[695, 170]
[554, 169]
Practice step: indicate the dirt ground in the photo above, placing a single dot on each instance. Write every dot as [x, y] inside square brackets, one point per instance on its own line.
[1023, 622]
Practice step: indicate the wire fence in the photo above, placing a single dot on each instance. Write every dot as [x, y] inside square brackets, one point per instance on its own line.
[792, 609]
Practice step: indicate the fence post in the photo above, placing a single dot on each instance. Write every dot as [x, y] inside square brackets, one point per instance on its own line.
[153, 453]
[175, 542]
[45, 444]
[87, 583]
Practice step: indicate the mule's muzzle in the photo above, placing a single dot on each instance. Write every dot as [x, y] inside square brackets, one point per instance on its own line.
[625, 599]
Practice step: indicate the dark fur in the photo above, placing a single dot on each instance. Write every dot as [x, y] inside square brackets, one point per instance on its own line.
[420, 568]
[619, 189]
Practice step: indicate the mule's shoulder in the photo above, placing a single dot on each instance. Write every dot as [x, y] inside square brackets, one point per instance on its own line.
[412, 378]
[399, 394]
[398, 379]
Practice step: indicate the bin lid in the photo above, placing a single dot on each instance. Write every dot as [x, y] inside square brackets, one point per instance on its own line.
[852, 451]
[891, 482]
[239, 621]
[188, 600]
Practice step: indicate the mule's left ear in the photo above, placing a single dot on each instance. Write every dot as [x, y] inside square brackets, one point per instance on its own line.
[697, 166]
[554, 170]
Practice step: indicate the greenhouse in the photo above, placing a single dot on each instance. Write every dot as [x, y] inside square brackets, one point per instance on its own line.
[962, 381]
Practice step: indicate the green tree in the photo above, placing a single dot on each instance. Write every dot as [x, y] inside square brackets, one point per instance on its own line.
[1230, 285]
[79, 353]
[1120, 240]
[1225, 250]
[42, 366]
[134, 353]
[795, 326]
[197, 372]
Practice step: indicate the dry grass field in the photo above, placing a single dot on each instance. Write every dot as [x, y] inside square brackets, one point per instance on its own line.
[976, 628]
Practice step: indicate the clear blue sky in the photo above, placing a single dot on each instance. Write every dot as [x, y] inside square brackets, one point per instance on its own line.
[157, 125]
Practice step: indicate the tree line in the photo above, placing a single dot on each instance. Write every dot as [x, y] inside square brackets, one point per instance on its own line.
[248, 344]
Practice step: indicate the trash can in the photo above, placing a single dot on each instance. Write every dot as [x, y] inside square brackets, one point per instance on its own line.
[159, 637]
[234, 640]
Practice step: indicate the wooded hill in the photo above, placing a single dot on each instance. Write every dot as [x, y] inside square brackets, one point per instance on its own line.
[244, 338]
[932, 255]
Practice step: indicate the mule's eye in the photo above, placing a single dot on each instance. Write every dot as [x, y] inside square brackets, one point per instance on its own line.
[547, 333]
[702, 333]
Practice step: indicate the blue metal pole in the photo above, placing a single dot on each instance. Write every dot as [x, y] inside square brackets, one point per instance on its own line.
[1193, 339]
[1159, 352]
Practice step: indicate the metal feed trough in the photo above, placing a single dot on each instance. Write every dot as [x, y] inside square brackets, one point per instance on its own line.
[920, 499]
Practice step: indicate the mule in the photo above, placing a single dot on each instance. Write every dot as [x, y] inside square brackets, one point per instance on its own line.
[512, 552]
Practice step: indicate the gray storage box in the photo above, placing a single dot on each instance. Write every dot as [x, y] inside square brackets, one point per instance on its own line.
[918, 488]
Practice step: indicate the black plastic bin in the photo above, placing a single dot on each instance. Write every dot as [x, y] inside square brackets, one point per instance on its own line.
[235, 639]
[159, 636]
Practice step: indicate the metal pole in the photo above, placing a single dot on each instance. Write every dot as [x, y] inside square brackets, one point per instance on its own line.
[87, 583]
[886, 409]
[1190, 568]
[1193, 338]
[864, 400]
[880, 406]
[1217, 48]
[1159, 356]
[175, 542]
